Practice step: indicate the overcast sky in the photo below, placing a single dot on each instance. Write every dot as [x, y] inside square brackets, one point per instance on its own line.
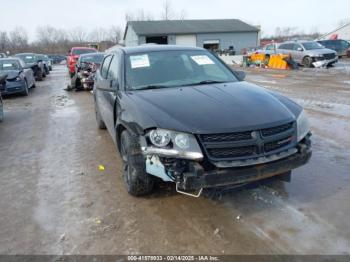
[307, 15]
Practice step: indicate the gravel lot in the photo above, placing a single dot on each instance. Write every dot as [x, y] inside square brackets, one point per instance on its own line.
[54, 200]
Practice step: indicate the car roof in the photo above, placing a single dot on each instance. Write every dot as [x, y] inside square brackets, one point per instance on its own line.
[155, 47]
[90, 54]
[25, 54]
[83, 47]
[10, 58]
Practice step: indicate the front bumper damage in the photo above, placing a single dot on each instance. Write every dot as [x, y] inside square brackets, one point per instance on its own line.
[13, 87]
[321, 62]
[192, 175]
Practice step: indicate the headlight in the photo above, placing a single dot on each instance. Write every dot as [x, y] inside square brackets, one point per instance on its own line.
[18, 78]
[170, 143]
[182, 140]
[303, 126]
[160, 137]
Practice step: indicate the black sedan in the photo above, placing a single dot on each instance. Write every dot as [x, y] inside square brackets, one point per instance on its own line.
[20, 77]
[2, 83]
[32, 60]
[180, 114]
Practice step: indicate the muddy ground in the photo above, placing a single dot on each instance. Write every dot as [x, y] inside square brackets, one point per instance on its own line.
[54, 200]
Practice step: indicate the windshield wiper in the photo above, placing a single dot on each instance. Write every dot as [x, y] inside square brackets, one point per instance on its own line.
[151, 87]
[205, 82]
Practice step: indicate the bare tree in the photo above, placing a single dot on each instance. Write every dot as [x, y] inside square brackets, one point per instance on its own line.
[18, 39]
[167, 12]
[183, 14]
[78, 34]
[139, 15]
[4, 41]
[115, 33]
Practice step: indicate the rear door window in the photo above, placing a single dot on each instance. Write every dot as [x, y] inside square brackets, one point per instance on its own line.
[286, 46]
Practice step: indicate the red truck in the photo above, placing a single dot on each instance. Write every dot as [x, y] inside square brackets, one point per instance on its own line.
[74, 55]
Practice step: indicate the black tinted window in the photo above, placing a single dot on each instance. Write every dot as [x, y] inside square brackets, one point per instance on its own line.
[83, 51]
[286, 46]
[296, 46]
[105, 65]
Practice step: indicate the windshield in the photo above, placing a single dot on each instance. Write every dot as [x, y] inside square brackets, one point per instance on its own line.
[93, 58]
[83, 51]
[27, 58]
[7, 65]
[312, 45]
[44, 57]
[174, 68]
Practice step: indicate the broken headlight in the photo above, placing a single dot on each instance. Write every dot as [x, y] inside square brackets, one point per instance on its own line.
[160, 137]
[303, 125]
[173, 144]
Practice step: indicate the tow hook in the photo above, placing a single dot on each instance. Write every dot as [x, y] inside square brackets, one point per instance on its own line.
[188, 194]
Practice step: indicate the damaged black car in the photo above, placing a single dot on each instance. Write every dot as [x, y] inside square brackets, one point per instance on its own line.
[182, 115]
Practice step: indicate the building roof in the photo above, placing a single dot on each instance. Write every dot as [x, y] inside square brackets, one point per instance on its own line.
[189, 26]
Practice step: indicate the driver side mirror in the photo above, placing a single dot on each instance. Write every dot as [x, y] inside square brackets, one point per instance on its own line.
[240, 75]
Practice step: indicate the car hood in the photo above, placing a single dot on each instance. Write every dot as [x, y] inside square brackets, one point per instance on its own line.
[321, 51]
[11, 74]
[215, 108]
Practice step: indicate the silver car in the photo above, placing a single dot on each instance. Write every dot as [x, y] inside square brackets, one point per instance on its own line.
[308, 53]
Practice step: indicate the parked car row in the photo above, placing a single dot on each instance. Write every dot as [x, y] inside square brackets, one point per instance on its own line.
[18, 74]
[57, 59]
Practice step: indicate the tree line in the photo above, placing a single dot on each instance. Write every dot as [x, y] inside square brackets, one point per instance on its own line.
[52, 40]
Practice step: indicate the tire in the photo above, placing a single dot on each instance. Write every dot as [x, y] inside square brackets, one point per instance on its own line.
[307, 61]
[100, 123]
[40, 76]
[1, 112]
[33, 86]
[137, 181]
[26, 89]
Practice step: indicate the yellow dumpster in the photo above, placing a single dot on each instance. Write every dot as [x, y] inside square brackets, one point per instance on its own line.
[278, 62]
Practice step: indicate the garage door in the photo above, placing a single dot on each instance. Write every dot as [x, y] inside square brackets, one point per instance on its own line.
[186, 40]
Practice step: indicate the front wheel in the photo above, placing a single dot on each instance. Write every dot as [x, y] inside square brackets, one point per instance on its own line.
[1, 111]
[26, 90]
[136, 180]
[307, 61]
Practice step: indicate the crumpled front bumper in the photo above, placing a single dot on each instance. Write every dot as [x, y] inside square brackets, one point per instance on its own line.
[197, 178]
[13, 87]
[322, 62]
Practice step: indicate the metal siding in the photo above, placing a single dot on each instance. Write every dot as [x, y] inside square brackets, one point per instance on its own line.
[171, 39]
[131, 38]
[239, 40]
